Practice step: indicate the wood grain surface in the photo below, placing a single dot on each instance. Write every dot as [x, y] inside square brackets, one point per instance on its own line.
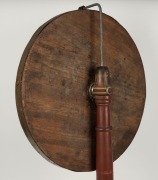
[53, 79]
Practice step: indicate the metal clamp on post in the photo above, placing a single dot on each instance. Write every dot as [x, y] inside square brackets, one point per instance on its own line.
[101, 86]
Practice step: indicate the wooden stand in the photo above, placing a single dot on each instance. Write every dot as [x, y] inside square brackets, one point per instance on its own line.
[54, 75]
[102, 94]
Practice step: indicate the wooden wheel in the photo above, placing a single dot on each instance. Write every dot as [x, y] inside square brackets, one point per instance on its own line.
[52, 85]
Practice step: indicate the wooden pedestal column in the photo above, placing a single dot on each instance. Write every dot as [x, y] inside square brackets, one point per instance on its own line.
[101, 92]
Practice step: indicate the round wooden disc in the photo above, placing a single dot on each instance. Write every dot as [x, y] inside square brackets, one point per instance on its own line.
[52, 85]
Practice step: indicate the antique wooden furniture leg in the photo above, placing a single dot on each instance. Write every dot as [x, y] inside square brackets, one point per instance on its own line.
[101, 92]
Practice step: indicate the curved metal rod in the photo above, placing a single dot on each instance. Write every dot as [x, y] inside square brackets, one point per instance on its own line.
[101, 29]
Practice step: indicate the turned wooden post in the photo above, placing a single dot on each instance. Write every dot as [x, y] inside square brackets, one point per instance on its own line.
[101, 92]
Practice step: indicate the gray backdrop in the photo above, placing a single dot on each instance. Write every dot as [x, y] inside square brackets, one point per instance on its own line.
[18, 21]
